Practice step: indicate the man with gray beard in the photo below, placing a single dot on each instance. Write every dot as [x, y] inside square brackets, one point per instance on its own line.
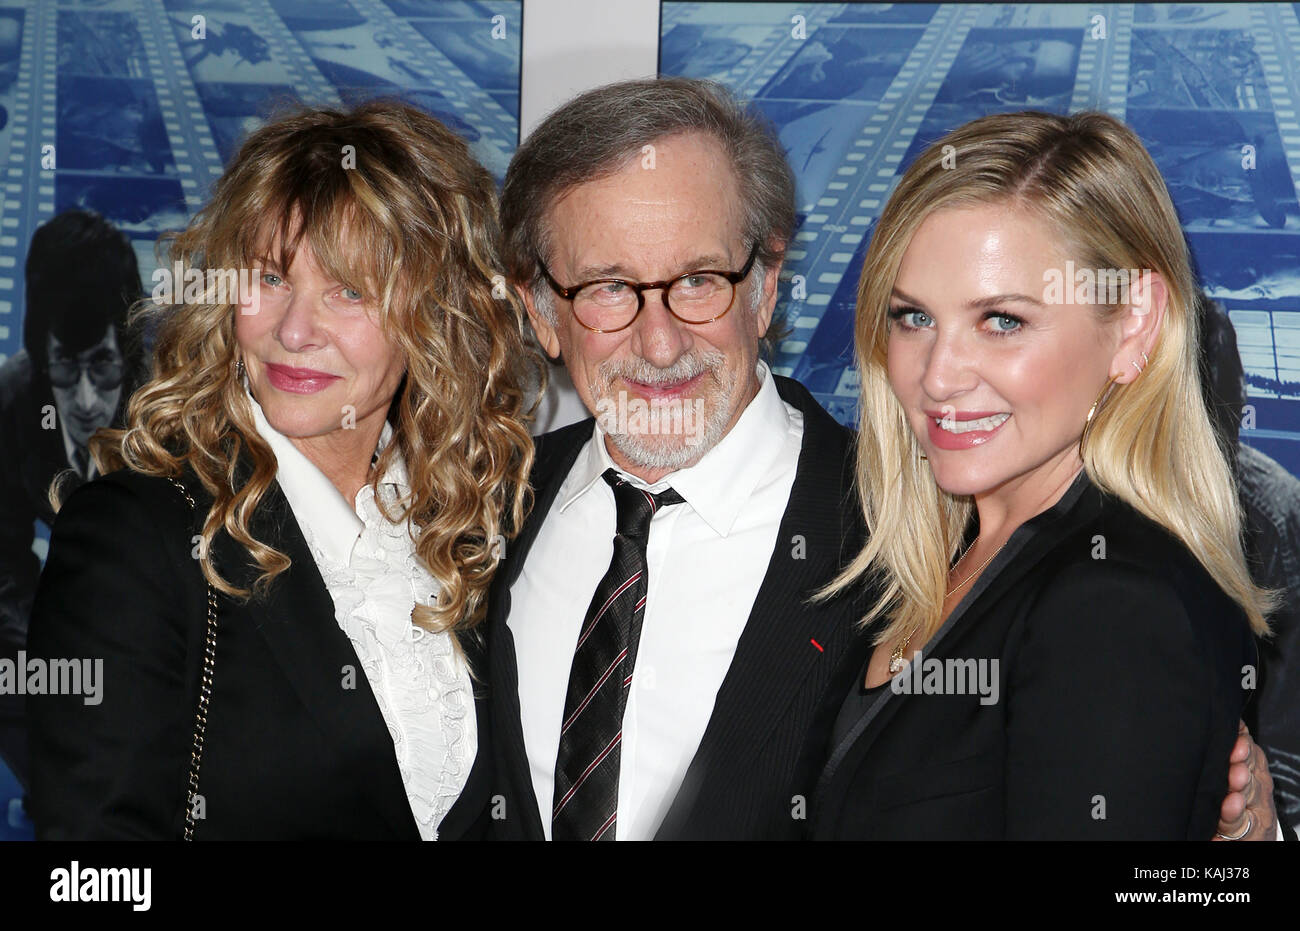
[645, 225]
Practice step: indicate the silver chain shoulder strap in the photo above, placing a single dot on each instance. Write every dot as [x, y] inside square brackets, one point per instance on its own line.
[205, 693]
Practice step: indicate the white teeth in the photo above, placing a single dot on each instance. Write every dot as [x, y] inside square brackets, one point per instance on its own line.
[967, 426]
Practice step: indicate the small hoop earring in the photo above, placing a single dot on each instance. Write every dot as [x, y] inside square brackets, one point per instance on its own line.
[1092, 412]
[1133, 362]
[1145, 360]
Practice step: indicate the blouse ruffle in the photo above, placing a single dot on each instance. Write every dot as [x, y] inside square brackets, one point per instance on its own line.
[422, 687]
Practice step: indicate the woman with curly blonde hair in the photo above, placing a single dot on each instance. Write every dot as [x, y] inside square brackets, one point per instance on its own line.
[284, 563]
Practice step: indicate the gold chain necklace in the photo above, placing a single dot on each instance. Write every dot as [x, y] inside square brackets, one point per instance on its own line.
[982, 567]
[896, 658]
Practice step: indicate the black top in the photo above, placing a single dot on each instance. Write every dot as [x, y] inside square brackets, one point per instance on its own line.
[296, 748]
[1088, 686]
[859, 700]
[856, 703]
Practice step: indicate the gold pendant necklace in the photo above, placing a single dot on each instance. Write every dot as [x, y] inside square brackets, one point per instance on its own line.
[896, 658]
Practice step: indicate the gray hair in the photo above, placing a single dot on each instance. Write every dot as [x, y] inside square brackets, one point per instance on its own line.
[598, 133]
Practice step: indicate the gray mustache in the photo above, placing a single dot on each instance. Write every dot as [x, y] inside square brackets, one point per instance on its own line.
[642, 371]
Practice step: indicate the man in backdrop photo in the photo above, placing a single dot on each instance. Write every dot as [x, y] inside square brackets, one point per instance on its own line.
[68, 381]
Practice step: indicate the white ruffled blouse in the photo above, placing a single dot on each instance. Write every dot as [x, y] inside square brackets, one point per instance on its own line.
[374, 577]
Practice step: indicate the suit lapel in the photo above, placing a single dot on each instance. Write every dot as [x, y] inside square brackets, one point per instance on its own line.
[556, 454]
[555, 457]
[776, 652]
[1016, 560]
[297, 621]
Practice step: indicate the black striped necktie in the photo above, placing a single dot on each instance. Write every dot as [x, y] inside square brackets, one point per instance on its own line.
[587, 765]
[81, 461]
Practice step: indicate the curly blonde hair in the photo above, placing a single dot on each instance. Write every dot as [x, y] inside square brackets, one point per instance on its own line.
[421, 233]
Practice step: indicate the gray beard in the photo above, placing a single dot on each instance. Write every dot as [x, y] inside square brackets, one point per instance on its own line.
[671, 451]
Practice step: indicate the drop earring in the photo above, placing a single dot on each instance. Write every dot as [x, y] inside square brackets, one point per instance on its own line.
[1092, 412]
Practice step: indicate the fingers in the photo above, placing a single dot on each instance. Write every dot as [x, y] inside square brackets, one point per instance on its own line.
[1231, 813]
[1239, 776]
[1241, 750]
[1249, 800]
[1256, 794]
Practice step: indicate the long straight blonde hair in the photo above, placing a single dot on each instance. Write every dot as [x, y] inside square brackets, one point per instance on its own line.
[1150, 442]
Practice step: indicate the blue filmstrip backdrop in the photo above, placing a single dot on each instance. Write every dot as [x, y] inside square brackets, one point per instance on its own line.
[131, 107]
[857, 90]
[137, 104]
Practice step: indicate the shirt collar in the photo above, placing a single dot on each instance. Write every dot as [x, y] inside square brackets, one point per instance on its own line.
[70, 448]
[324, 514]
[717, 486]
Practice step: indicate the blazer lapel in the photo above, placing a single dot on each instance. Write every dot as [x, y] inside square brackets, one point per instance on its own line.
[1080, 502]
[297, 621]
[475, 797]
[783, 642]
[556, 454]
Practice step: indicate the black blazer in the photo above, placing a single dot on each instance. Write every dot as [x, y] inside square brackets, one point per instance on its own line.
[1120, 683]
[32, 457]
[739, 784]
[290, 752]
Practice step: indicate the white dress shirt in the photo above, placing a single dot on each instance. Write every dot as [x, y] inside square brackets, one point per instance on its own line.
[374, 578]
[706, 560]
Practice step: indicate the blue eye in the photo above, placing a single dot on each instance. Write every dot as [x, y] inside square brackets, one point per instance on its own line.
[910, 318]
[1005, 323]
[272, 279]
[351, 294]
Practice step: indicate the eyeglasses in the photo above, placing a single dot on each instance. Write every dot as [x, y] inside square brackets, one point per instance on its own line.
[105, 372]
[608, 305]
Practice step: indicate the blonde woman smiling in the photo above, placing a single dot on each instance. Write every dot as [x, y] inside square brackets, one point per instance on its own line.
[1062, 633]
